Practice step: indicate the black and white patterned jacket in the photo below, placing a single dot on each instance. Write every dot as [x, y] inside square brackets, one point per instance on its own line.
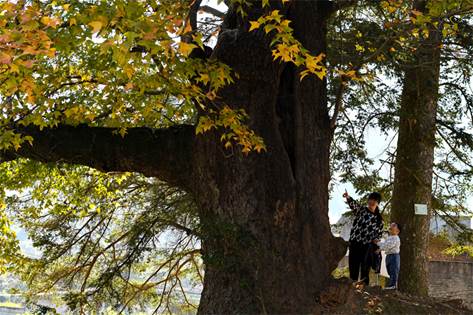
[367, 226]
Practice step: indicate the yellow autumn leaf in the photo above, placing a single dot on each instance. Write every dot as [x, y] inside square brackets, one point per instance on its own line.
[186, 48]
[304, 74]
[96, 26]
[45, 20]
[29, 139]
[321, 73]
[359, 48]
[205, 78]
[254, 25]
[52, 22]
[122, 132]
[285, 23]
[349, 73]
[129, 71]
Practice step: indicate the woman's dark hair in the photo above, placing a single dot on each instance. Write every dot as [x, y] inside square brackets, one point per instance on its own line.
[375, 196]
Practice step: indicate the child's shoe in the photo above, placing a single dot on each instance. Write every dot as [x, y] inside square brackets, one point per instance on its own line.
[390, 288]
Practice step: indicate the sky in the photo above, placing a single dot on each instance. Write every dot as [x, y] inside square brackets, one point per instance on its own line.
[375, 150]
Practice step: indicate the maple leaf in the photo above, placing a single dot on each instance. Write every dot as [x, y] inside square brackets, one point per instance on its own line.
[96, 26]
[254, 25]
[186, 48]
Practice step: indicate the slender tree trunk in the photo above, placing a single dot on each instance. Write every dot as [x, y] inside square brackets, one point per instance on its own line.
[268, 246]
[414, 159]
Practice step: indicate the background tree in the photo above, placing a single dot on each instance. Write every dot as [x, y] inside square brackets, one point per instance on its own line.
[401, 43]
[415, 155]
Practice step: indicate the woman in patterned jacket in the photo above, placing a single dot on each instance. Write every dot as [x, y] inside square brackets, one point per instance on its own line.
[367, 229]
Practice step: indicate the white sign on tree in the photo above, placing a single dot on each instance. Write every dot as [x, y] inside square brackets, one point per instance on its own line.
[420, 208]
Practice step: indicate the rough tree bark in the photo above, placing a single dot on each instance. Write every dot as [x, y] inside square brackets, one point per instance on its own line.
[275, 204]
[266, 244]
[414, 159]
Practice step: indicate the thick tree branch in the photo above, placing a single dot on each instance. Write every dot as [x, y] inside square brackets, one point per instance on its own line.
[213, 11]
[162, 153]
[342, 4]
[338, 102]
[193, 14]
[338, 5]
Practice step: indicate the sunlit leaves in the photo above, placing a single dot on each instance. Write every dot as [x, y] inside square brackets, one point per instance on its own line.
[96, 26]
[23, 41]
[254, 25]
[186, 48]
[235, 131]
[9, 249]
[286, 47]
[117, 64]
[315, 65]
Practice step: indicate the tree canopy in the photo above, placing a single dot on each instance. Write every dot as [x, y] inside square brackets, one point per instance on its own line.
[114, 77]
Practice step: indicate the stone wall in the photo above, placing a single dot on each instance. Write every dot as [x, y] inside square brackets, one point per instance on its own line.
[451, 280]
[447, 279]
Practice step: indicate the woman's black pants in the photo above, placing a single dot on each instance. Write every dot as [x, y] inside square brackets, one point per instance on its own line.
[357, 262]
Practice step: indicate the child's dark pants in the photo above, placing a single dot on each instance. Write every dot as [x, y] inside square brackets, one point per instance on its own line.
[357, 261]
[393, 264]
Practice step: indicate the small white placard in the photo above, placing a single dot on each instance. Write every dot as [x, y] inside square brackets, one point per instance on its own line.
[420, 208]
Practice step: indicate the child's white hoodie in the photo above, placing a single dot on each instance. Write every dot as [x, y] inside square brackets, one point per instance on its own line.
[391, 245]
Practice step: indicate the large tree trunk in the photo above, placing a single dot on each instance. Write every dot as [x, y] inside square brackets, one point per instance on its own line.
[267, 246]
[414, 159]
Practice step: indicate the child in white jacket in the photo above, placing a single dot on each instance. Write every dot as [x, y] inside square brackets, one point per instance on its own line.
[391, 246]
